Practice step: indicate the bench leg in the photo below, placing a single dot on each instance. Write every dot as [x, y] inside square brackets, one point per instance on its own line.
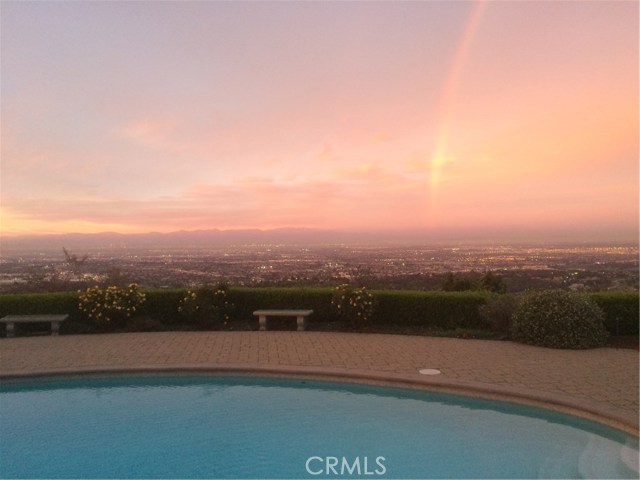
[10, 329]
[55, 328]
[263, 322]
[301, 324]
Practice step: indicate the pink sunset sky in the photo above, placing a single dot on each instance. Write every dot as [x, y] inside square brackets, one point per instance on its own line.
[424, 116]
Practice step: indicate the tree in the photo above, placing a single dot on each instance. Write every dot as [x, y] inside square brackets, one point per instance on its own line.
[493, 283]
[73, 261]
[453, 284]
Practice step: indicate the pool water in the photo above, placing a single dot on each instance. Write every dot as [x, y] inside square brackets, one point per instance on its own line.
[246, 427]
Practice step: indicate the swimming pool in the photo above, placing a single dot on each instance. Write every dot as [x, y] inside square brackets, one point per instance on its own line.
[248, 427]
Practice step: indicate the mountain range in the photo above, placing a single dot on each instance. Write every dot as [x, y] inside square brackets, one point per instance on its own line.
[299, 236]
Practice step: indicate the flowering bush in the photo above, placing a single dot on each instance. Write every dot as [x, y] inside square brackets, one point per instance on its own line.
[111, 306]
[353, 304]
[207, 306]
[559, 319]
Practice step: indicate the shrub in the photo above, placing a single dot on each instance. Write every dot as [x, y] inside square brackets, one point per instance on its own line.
[621, 309]
[559, 319]
[207, 306]
[438, 310]
[162, 304]
[453, 283]
[353, 304]
[112, 306]
[499, 311]
[492, 283]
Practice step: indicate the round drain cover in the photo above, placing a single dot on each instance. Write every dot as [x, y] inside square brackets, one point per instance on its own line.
[430, 371]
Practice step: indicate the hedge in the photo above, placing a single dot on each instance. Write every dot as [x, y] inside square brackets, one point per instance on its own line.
[444, 310]
[247, 300]
[40, 303]
[162, 305]
[621, 310]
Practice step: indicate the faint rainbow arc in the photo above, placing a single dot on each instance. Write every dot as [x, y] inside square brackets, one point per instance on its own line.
[439, 153]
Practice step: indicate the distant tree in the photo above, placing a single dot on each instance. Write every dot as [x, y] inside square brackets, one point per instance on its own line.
[493, 283]
[117, 277]
[448, 285]
[73, 261]
[453, 284]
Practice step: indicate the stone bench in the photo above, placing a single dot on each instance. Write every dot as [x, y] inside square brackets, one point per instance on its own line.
[11, 320]
[300, 315]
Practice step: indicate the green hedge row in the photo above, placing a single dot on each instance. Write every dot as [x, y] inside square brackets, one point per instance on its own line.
[398, 307]
[44, 303]
[247, 300]
[621, 310]
[447, 310]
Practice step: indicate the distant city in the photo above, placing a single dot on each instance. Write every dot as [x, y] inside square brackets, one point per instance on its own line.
[581, 268]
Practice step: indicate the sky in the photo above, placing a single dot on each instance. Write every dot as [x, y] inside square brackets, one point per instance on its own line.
[481, 118]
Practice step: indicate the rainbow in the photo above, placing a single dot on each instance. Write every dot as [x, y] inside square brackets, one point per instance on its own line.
[439, 155]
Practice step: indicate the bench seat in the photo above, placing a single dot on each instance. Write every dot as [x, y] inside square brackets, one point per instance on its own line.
[11, 320]
[300, 315]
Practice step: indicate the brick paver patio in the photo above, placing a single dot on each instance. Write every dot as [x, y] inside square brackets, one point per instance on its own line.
[604, 379]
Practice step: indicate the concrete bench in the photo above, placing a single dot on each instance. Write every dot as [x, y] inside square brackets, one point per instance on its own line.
[300, 315]
[11, 320]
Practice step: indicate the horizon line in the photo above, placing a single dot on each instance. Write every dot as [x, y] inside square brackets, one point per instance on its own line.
[518, 235]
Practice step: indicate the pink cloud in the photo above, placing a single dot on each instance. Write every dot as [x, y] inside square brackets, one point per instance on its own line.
[359, 198]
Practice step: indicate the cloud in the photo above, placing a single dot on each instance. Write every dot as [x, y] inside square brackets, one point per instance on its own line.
[351, 197]
[376, 192]
[252, 131]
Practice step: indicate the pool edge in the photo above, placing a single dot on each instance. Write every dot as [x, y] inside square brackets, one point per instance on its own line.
[551, 401]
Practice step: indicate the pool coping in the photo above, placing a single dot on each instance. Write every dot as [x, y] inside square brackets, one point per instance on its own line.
[590, 410]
